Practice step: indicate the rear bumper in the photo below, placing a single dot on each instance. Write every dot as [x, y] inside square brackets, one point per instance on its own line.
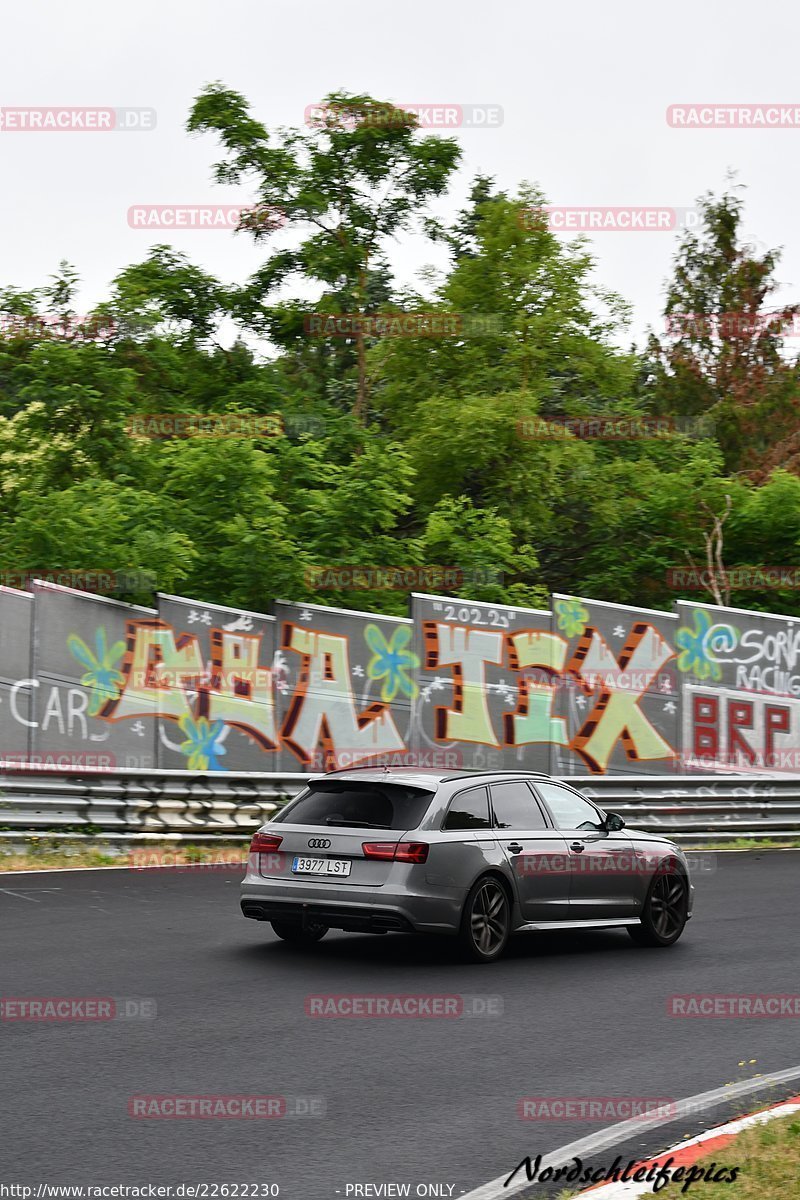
[368, 910]
[351, 917]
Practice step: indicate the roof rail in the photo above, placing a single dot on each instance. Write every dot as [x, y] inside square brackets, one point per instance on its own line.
[375, 767]
[460, 775]
[505, 771]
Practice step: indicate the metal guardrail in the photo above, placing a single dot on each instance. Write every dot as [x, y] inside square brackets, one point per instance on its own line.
[141, 806]
[147, 806]
[702, 809]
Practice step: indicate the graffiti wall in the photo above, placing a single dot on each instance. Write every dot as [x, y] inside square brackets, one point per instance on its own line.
[486, 684]
[586, 688]
[90, 707]
[214, 686]
[345, 683]
[741, 689]
[16, 683]
[619, 699]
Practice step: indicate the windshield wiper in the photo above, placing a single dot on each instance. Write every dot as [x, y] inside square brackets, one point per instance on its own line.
[356, 824]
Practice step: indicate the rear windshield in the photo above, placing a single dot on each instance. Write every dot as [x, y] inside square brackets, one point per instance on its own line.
[379, 805]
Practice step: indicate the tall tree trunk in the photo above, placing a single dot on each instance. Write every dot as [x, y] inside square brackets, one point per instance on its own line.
[360, 406]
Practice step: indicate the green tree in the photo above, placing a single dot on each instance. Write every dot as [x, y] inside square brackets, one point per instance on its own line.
[68, 404]
[539, 323]
[723, 351]
[481, 547]
[355, 179]
[99, 525]
[168, 294]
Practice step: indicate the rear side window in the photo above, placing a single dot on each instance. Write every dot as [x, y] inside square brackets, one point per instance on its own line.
[515, 806]
[469, 810]
[330, 803]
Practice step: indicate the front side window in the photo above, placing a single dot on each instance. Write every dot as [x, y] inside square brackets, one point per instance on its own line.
[515, 806]
[570, 811]
[469, 810]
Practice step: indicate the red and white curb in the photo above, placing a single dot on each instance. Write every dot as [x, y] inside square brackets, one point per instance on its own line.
[688, 1152]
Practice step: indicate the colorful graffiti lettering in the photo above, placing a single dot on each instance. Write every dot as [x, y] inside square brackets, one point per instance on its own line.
[618, 685]
[534, 721]
[616, 715]
[322, 712]
[466, 651]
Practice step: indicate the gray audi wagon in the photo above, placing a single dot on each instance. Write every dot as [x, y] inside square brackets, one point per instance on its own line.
[475, 855]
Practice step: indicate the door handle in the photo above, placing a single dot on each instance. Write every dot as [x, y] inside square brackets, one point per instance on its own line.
[514, 847]
[576, 846]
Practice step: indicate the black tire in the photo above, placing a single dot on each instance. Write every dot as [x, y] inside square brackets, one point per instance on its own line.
[665, 910]
[299, 935]
[485, 921]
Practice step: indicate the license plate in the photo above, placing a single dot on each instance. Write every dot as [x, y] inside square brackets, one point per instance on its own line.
[321, 866]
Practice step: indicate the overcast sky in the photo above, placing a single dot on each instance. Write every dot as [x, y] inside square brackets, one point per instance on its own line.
[584, 88]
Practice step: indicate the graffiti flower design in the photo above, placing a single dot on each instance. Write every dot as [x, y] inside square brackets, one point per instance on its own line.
[100, 668]
[201, 747]
[391, 662]
[572, 617]
[695, 654]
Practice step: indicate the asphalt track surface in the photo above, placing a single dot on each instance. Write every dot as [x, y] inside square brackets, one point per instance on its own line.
[416, 1101]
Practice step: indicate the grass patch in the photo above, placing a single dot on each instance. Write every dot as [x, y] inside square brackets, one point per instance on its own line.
[768, 1158]
[748, 844]
[61, 852]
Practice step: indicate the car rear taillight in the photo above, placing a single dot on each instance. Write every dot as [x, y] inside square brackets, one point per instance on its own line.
[410, 852]
[263, 843]
[379, 849]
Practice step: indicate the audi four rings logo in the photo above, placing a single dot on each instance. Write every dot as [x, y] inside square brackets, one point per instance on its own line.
[319, 843]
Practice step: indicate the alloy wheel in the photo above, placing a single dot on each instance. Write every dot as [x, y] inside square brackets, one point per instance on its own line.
[489, 917]
[668, 905]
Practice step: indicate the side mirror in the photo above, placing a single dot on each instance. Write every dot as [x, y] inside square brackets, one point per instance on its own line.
[614, 822]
